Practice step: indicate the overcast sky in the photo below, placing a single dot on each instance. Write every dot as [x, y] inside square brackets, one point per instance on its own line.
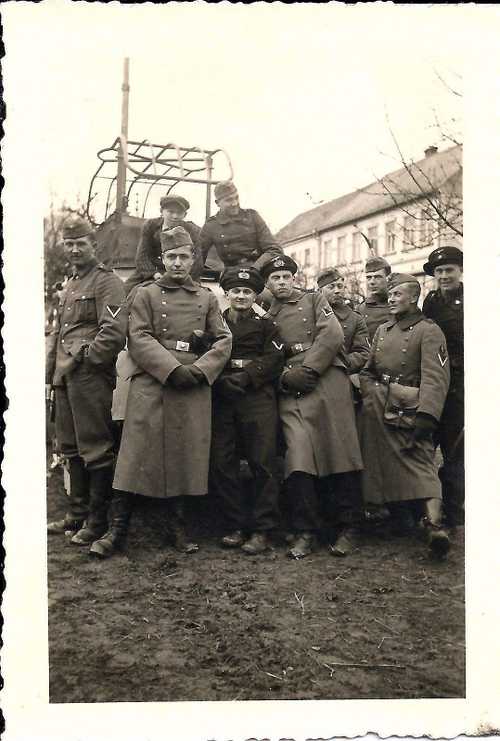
[298, 95]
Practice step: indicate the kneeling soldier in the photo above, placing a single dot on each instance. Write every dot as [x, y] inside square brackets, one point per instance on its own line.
[245, 414]
[315, 404]
[89, 334]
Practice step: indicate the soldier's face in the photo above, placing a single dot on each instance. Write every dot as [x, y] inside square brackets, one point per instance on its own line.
[401, 299]
[376, 282]
[178, 263]
[79, 252]
[241, 298]
[172, 215]
[280, 283]
[448, 277]
[334, 292]
[229, 205]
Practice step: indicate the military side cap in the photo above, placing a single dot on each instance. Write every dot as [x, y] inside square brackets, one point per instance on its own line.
[175, 201]
[328, 275]
[396, 279]
[283, 262]
[377, 263]
[239, 276]
[76, 227]
[224, 189]
[172, 238]
[443, 256]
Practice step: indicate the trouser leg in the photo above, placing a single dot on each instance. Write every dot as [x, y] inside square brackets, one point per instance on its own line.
[225, 466]
[79, 489]
[119, 515]
[452, 472]
[177, 525]
[346, 500]
[304, 500]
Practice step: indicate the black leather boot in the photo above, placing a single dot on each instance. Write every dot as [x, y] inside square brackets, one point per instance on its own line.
[113, 540]
[437, 538]
[96, 523]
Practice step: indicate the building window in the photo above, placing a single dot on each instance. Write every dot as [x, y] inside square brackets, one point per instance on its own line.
[327, 253]
[341, 250]
[390, 237]
[425, 229]
[373, 239]
[408, 233]
[357, 240]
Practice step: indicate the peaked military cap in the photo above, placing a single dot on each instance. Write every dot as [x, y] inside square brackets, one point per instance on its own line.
[328, 275]
[396, 279]
[238, 276]
[224, 189]
[282, 262]
[377, 263]
[172, 238]
[76, 227]
[443, 256]
[175, 201]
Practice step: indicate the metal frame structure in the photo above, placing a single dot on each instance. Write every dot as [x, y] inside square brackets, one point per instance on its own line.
[151, 165]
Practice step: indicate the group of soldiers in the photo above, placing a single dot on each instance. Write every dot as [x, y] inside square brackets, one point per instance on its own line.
[352, 400]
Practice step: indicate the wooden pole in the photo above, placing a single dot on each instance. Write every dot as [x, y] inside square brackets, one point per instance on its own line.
[121, 180]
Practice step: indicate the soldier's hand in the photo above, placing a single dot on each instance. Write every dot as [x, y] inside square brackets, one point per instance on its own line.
[300, 379]
[425, 425]
[182, 378]
[196, 372]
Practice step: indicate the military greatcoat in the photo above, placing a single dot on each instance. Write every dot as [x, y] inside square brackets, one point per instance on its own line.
[319, 426]
[413, 351]
[165, 443]
[357, 345]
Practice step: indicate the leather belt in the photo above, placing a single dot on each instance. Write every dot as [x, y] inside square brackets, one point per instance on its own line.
[237, 363]
[386, 379]
[177, 345]
[296, 347]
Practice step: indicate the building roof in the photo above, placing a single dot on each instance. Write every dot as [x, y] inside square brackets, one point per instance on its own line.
[395, 188]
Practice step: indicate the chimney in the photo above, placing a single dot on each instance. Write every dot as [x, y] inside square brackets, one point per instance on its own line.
[430, 151]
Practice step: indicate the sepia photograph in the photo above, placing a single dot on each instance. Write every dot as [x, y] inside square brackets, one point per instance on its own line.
[249, 473]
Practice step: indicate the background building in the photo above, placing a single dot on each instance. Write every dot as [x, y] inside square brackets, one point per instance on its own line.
[402, 217]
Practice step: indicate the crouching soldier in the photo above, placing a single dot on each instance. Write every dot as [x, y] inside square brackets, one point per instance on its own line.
[404, 387]
[245, 415]
[315, 405]
[165, 443]
[89, 333]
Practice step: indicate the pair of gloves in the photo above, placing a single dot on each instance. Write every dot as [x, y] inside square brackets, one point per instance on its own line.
[233, 386]
[425, 426]
[301, 379]
[186, 377]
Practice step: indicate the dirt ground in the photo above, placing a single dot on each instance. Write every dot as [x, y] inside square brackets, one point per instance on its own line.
[153, 625]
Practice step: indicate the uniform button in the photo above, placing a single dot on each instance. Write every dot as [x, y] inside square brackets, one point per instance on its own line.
[65, 324]
[164, 303]
[83, 296]
[164, 330]
[164, 316]
[376, 383]
[404, 349]
[222, 236]
[403, 362]
[163, 291]
[300, 308]
[274, 323]
[304, 319]
[288, 366]
[309, 331]
[69, 308]
[62, 342]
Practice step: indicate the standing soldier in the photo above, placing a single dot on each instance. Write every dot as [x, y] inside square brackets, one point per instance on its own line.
[404, 386]
[148, 259]
[165, 443]
[375, 309]
[315, 405]
[446, 307]
[240, 235]
[90, 332]
[245, 414]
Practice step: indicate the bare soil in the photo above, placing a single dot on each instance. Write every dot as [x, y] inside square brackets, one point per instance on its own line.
[150, 624]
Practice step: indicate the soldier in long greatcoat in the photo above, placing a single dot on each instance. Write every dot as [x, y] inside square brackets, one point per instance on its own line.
[404, 387]
[315, 401]
[165, 445]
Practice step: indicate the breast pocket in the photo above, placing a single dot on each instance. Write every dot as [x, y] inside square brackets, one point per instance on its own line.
[85, 309]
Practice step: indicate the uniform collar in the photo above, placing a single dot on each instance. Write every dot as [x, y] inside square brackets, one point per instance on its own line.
[375, 302]
[85, 270]
[450, 296]
[342, 311]
[188, 284]
[226, 219]
[407, 321]
[251, 314]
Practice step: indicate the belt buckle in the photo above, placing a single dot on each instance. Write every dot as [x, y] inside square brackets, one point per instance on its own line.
[297, 347]
[237, 363]
[182, 346]
[385, 378]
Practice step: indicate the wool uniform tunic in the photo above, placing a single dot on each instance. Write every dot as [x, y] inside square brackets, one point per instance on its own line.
[243, 239]
[165, 444]
[413, 350]
[90, 331]
[374, 313]
[319, 426]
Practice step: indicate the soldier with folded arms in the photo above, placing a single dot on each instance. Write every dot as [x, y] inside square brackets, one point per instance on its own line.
[165, 445]
[89, 333]
[316, 409]
[245, 415]
[404, 387]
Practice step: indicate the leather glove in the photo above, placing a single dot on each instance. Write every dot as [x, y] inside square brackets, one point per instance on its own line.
[301, 379]
[200, 341]
[183, 378]
[241, 379]
[228, 389]
[425, 426]
[196, 372]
